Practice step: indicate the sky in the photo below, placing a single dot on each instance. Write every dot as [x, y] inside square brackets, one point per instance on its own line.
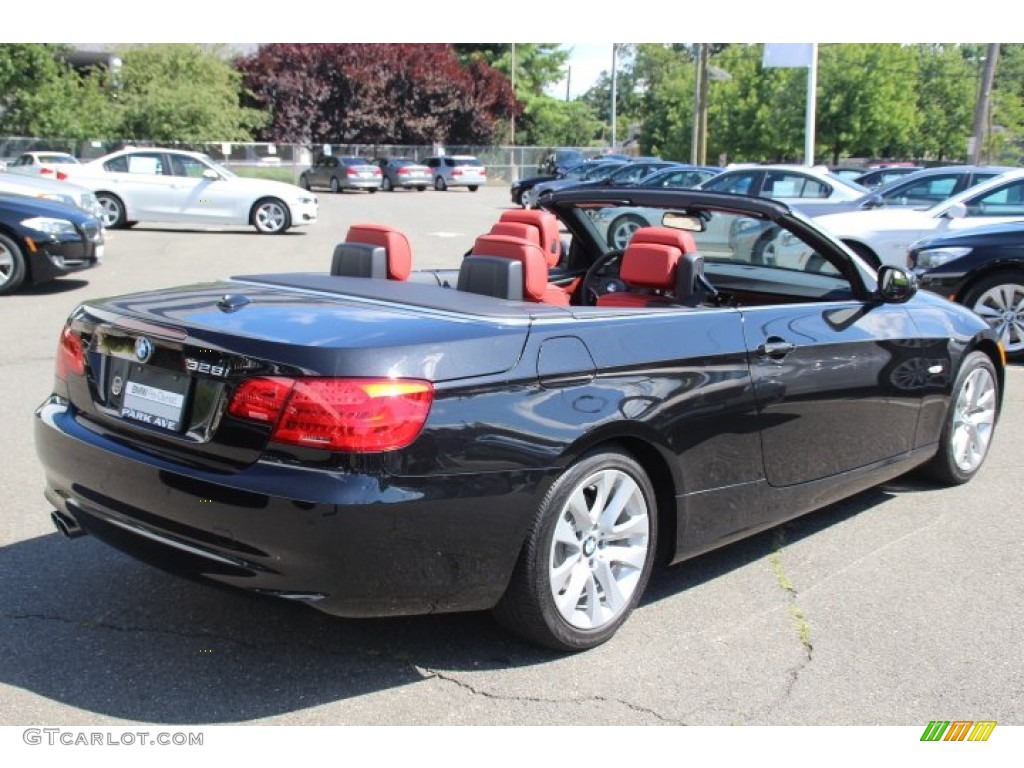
[587, 62]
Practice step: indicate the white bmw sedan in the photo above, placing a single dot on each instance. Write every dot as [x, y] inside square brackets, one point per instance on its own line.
[171, 185]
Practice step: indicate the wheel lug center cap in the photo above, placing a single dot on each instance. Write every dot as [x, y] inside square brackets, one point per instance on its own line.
[589, 546]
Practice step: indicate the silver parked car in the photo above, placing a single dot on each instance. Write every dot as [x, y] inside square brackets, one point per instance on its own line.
[456, 171]
[341, 172]
[403, 173]
[51, 189]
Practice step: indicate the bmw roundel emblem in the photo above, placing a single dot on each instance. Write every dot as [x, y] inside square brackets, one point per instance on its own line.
[143, 349]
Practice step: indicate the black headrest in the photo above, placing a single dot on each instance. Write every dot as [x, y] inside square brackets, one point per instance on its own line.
[360, 260]
[492, 276]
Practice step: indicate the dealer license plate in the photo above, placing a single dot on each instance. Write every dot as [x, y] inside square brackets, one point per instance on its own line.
[155, 397]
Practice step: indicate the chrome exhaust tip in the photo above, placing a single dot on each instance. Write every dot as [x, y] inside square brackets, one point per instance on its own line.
[67, 525]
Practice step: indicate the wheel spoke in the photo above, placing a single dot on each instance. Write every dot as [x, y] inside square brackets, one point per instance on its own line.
[568, 598]
[633, 556]
[622, 494]
[614, 600]
[566, 534]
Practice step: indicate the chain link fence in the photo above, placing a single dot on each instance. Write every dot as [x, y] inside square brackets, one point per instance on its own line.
[505, 164]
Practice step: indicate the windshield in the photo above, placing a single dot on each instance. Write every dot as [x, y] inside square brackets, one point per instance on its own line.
[218, 167]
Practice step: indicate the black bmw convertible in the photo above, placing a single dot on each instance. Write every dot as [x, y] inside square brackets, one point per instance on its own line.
[529, 433]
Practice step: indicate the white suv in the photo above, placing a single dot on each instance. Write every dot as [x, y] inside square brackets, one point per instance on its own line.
[456, 171]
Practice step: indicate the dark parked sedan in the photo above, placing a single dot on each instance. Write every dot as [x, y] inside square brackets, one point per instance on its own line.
[529, 433]
[983, 269]
[41, 240]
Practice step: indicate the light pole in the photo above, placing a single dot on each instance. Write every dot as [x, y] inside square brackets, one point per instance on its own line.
[982, 107]
[513, 168]
[705, 72]
[615, 50]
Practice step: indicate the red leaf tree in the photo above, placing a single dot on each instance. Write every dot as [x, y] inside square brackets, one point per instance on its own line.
[372, 93]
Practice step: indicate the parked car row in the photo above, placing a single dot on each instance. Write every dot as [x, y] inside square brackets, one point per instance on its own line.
[340, 173]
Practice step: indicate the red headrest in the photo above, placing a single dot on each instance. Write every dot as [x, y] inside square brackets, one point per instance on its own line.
[515, 229]
[677, 238]
[547, 226]
[650, 265]
[391, 240]
[535, 266]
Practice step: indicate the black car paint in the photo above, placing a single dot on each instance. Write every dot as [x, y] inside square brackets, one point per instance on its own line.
[734, 438]
[994, 248]
[50, 256]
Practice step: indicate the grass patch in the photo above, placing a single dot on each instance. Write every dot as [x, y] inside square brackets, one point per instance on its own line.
[286, 175]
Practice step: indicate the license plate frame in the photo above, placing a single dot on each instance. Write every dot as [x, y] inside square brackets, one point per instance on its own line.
[155, 398]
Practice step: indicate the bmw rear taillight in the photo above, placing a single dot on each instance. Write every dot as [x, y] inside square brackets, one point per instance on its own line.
[70, 355]
[357, 415]
[61, 176]
[45, 171]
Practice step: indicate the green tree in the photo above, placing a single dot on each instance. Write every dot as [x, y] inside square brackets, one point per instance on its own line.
[867, 103]
[1007, 120]
[46, 98]
[946, 88]
[183, 92]
[540, 119]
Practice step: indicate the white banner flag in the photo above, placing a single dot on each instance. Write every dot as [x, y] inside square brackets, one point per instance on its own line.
[787, 55]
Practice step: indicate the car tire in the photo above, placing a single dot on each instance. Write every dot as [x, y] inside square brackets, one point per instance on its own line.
[473, 188]
[270, 216]
[335, 185]
[763, 250]
[970, 422]
[999, 300]
[112, 216]
[581, 571]
[440, 185]
[421, 189]
[304, 182]
[12, 266]
[622, 229]
[386, 184]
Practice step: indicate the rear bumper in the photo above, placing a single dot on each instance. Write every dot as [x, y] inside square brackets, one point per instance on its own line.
[350, 544]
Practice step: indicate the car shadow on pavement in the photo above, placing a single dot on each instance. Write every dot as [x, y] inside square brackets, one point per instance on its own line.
[102, 634]
[53, 287]
[667, 582]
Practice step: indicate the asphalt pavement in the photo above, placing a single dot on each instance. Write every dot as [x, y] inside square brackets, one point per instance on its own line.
[899, 606]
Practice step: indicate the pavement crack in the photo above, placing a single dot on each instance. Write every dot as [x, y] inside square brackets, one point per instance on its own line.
[796, 612]
[427, 674]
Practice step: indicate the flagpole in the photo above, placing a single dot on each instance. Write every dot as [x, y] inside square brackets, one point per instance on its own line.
[812, 106]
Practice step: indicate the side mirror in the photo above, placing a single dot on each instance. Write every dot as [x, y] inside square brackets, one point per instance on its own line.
[209, 173]
[875, 201]
[895, 284]
[955, 211]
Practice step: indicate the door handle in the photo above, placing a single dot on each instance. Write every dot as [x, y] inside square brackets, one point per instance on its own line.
[775, 348]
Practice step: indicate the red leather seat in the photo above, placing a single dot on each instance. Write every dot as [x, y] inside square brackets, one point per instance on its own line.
[515, 229]
[547, 229]
[366, 262]
[535, 266]
[678, 238]
[650, 267]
